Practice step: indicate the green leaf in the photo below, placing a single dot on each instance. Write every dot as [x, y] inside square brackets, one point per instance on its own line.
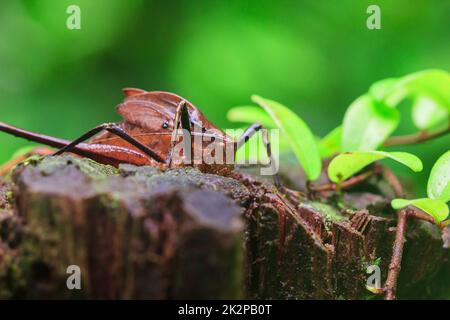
[298, 134]
[367, 124]
[388, 92]
[438, 209]
[380, 89]
[331, 143]
[439, 181]
[434, 84]
[251, 114]
[347, 164]
[430, 90]
[426, 113]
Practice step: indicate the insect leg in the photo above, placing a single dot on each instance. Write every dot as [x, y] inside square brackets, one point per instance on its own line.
[32, 136]
[181, 116]
[252, 130]
[115, 129]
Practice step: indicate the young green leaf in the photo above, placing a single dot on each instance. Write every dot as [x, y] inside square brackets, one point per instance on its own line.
[434, 84]
[331, 143]
[438, 209]
[426, 113]
[439, 181]
[388, 92]
[367, 124]
[297, 133]
[347, 164]
[251, 114]
[380, 89]
[430, 90]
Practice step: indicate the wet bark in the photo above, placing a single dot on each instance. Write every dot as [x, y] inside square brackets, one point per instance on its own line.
[136, 232]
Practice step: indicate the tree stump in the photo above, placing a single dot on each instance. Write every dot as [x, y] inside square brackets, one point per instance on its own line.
[137, 232]
[134, 232]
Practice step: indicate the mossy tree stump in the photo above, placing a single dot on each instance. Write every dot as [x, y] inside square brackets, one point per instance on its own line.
[136, 232]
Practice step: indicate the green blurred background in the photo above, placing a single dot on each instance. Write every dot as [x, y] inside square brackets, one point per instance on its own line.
[314, 56]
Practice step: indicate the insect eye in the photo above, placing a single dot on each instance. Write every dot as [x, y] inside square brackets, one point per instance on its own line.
[165, 125]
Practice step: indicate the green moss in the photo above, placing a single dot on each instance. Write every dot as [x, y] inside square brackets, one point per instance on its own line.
[129, 169]
[94, 169]
[187, 177]
[33, 160]
[327, 211]
[48, 165]
[111, 200]
[9, 196]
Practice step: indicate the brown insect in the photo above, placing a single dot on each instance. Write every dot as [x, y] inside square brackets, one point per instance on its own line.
[147, 136]
[148, 133]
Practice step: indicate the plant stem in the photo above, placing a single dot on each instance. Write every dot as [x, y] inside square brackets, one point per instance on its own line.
[415, 138]
[418, 214]
[353, 181]
[400, 233]
[444, 224]
[397, 252]
[393, 181]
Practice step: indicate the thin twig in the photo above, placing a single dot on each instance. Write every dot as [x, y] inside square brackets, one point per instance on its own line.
[397, 252]
[444, 224]
[415, 138]
[400, 232]
[393, 181]
[353, 181]
[419, 214]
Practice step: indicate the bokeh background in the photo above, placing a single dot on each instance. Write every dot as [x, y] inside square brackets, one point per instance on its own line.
[314, 56]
